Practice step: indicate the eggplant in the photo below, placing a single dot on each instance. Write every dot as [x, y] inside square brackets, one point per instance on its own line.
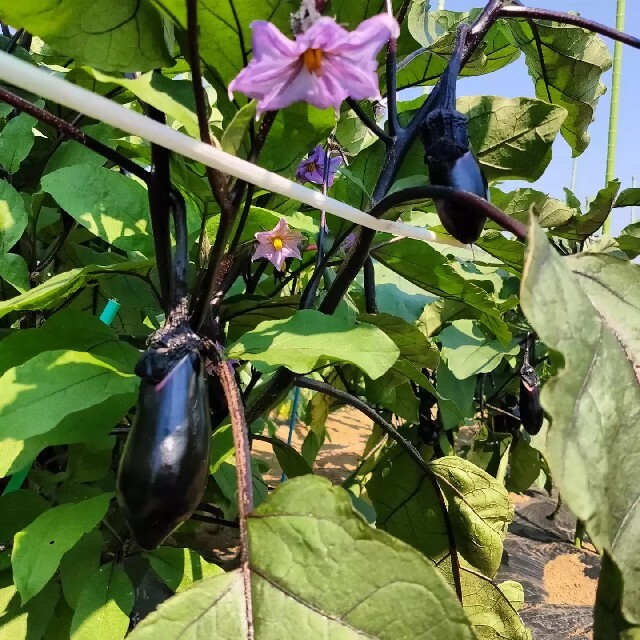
[531, 414]
[451, 163]
[164, 468]
[449, 158]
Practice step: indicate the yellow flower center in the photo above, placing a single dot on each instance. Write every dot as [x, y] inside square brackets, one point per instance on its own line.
[312, 59]
[277, 244]
[311, 167]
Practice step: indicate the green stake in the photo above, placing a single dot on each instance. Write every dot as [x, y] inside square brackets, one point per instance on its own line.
[615, 100]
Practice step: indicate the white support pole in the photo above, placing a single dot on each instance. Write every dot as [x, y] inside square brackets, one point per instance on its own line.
[40, 82]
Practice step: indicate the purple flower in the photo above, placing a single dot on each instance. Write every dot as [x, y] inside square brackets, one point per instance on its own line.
[347, 243]
[278, 244]
[323, 66]
[311, 169]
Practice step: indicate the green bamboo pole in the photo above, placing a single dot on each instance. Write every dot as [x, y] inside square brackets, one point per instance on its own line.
[574, 175]
[633, 209]
[615, 99]
[440, 5]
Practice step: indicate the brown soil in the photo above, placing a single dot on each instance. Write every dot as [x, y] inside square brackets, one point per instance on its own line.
[566, 582]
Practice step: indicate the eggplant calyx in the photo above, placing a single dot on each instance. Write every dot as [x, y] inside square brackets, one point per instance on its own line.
[529, 376]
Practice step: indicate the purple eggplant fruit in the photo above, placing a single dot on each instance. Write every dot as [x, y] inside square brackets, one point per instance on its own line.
[449, 157]
[165, 464]
[164, 468]
[531, 414]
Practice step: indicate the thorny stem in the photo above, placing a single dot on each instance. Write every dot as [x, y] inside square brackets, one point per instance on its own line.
[74, 133]
[412, 452]
[516, 11]
[243, 476]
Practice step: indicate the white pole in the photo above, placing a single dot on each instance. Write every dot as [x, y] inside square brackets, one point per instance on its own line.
[40, 82]
[633, 209]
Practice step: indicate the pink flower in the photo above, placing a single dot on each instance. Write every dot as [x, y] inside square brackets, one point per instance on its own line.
[311, 169]
[278, 244]
[323, 66]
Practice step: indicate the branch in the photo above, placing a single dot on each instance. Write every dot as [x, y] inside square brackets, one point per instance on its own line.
[368, 121]
[410, 450]
[370, 287]
[214, 520]
[513, 11]
[158, 194]
[391, 72]
[243, 476]
[75, 134]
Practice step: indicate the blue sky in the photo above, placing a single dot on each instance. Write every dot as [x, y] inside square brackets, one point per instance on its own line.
[514, 81]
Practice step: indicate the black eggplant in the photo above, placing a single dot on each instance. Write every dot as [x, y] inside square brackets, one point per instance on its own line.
[449, 157]
[531, 414]
[164, 467]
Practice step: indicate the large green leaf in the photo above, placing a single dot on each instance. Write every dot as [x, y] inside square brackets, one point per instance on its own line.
[103, 608]
[573, 63]
[407, 507]
[125, 36]
[79, 564]
[61, 286]
[586, 307]
[512, 137]
[549, 212]
[38, 549]
[427, 268]
[15, 271]
[306, 531]
[308, 336]
[38, 394]
[436, 32]
[112, 206]
[13, 217]
[225, 44]
[16, 141]
[469, 352]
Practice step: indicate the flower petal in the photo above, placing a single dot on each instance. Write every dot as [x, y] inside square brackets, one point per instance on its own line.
[370, 36]
[354, 80]
[263, 251]
[325, 33]
[267, 41]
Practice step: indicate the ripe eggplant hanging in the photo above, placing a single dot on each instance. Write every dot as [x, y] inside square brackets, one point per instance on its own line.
[448, 155]
[164, 467]
[531, 414]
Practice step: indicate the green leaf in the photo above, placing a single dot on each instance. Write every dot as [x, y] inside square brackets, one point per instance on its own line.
[629, 240]
[58, 288]
[13, 216]
[460, 392]
[512, 137]
[427, 268]
[599, 210]
[104, 605]
[407, 506]
[112, 206]
[628, 198]
[549, 212]
[246, 312]
[290, 461]
[127, 36]
[79, 564]
[37, 395]
[586, 307]
[574, 61]
[308, 336]
[511, 252]
[90, 461]
[308, 528]
[235, 132]
[524, 466]
[16, 141]
[468, 351]
[14, 270]
[173, 97]
[29, 621]
[180, 568]
[227, 46]
[39, 547]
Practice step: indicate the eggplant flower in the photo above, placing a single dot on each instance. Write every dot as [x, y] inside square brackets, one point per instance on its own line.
[311, 169]
[323, 66]
[278, 244]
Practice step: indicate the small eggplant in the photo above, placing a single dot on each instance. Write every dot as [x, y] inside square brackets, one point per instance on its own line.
[164, 468]
[452, 164]
[531, 414]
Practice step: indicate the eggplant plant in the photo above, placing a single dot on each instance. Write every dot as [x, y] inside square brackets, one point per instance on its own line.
[141, 361]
